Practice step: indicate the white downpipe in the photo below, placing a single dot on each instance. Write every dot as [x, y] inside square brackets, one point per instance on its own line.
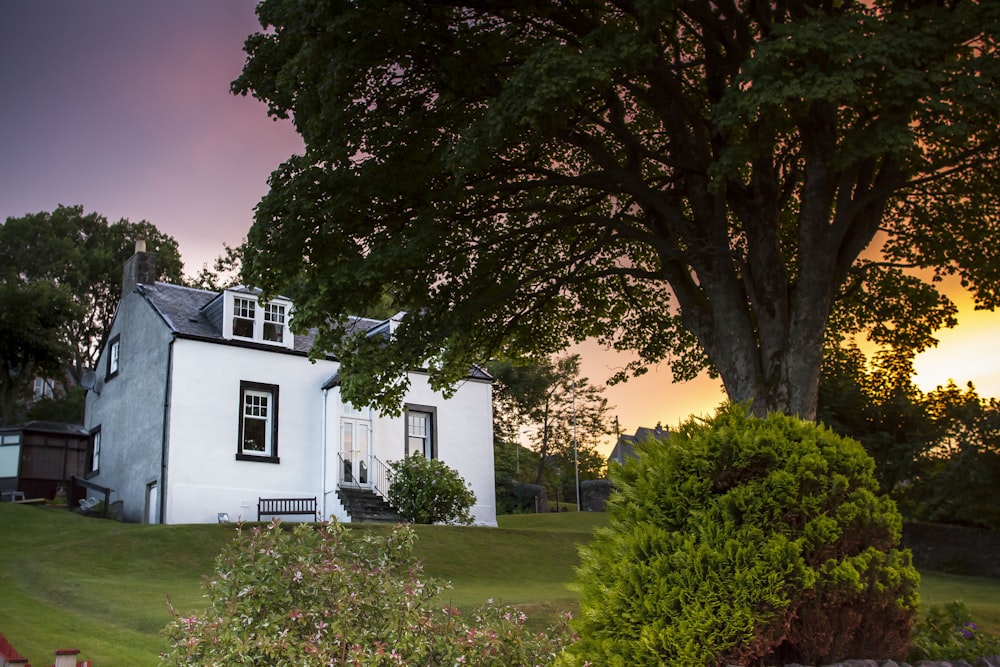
[322, 484]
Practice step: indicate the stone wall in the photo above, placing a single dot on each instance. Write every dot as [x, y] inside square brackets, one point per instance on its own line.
[594, 493]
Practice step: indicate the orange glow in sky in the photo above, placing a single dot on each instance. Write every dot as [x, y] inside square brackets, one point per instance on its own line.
[970, 351]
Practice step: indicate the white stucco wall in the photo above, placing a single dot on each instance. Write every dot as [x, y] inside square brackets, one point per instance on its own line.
[464, 434]
[204, 478]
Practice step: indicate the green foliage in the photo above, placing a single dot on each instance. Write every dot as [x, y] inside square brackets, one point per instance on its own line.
[83, 255]
[106, 594]
[956, 474]
[937, 454]
[328, 595]
[426, 490]
[224, 272]
[698, 183]
[556, 407]
[34, 320]
[69, 407]
[947, 632]
[737, 540]
[512, 465]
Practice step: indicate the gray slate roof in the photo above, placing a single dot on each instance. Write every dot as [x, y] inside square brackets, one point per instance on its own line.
[625, 447]
[184, 311]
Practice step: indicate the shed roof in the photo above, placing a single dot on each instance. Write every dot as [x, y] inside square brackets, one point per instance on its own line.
[54, 428]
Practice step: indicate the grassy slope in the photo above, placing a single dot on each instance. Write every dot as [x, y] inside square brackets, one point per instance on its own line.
[70, 582]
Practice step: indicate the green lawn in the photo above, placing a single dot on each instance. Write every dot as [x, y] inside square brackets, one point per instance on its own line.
[100, 586]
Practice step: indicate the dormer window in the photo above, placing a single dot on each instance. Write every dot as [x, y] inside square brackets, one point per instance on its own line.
[274, 322]
[249, 319]
[243, 316]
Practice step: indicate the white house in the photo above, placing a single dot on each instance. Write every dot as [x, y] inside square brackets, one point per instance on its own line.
[204, 402]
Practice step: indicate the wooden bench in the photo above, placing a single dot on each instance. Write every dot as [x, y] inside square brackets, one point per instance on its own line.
[285, 506]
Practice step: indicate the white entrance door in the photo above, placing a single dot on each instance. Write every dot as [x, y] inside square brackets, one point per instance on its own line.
[355, 452]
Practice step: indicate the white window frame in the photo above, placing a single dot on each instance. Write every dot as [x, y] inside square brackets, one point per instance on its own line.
[114, 357]
[257, 391]
[428, 446]
[244, 310]
[274, 314]
[269, 321]
[94, 453]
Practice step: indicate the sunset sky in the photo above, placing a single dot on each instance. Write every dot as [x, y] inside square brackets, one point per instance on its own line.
[124, 107]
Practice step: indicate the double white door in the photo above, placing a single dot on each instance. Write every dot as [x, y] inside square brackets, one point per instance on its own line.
[355, 452]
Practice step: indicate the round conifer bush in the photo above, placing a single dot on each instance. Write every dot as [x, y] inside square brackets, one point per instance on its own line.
[746, 541]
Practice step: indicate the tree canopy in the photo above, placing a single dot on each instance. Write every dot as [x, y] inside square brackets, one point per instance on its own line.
[72, 263]
[936, 453]
[33, 321]
[718, 185]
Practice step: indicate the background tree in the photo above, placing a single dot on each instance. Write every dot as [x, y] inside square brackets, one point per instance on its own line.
[695, 181]
[956, 478]
[518, 390]
[81, 255]
[34, 318]
[878, 405]
[937, 454]
[546, 404]
[519, 393]
[512, 462]
[225, 271]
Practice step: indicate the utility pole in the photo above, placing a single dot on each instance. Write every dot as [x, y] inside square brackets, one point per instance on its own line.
[576, 458]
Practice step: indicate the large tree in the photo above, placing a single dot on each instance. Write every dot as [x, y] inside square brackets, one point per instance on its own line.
[82, 255]
[706, 182]
[33, 322]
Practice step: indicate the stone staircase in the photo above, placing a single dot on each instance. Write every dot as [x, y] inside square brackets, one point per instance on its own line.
[364, 505]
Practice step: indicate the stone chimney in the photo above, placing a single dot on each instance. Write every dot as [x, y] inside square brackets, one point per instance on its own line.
[140, 269]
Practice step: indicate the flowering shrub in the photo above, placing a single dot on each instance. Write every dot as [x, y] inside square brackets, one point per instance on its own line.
[428, 491]
[949, 633]
[326, 595]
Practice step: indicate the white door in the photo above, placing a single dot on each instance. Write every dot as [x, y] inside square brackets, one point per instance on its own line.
[355, 452]
[152, 503]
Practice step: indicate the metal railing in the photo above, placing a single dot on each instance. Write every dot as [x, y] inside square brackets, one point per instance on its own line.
[377, 479]
[75, 481]
[381, 478]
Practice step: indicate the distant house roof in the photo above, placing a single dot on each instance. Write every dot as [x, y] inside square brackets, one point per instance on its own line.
[625, 447]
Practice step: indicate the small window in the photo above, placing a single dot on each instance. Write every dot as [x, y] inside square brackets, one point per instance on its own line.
[243, 317]
[274, 322]
[43, 388]
[258, 429]
[10, 439]
[113, 348]
[94, 452]
[420, 432]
